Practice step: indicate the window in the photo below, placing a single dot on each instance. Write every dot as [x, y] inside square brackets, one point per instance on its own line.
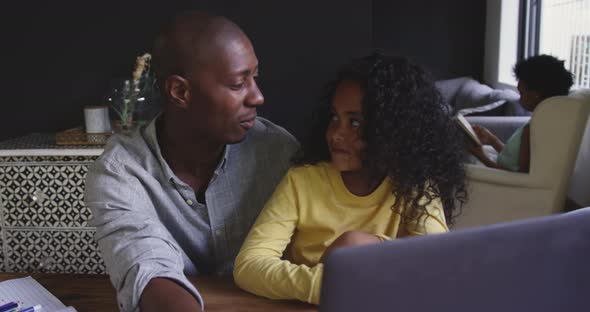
[501, 42]
[560, 28]
[519, 29]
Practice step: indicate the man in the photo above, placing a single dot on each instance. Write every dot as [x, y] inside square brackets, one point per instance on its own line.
[179, 196]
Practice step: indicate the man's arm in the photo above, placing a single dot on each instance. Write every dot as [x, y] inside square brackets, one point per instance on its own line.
[162, 294]
[136, 248]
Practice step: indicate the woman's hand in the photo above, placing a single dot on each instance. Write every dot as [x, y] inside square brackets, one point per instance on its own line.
[351, 238]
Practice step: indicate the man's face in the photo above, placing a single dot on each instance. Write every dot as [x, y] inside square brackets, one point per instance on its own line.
[344, 134]
[223, 92]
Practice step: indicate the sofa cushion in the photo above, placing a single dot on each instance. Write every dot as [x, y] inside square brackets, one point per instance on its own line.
[449, 87]
[514, 108]
[495, 108]
[468, 96]
[474, 94]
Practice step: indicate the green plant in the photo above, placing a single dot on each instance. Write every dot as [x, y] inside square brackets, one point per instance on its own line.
[134, 94]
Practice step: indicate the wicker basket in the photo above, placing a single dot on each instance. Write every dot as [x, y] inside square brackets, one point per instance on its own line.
[78, 136]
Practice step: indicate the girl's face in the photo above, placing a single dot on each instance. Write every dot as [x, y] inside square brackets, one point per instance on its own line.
[344, 134]
[528, 98]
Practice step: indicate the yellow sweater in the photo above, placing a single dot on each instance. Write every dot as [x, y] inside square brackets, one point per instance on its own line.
[309, 209]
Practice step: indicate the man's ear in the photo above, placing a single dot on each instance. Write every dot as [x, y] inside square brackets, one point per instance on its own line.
[178, 91]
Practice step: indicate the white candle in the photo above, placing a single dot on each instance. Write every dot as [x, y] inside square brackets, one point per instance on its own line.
[97, 119]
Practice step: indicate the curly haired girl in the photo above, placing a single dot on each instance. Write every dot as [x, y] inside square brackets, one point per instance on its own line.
[384, 161]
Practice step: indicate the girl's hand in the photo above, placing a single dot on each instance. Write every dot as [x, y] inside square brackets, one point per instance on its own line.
[475, 150]
[484, 135]
[351, 238]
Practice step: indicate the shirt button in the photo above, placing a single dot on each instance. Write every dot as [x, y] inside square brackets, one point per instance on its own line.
[190, 202]
[218, 232]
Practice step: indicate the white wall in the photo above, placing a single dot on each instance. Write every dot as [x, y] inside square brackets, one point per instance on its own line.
[501, 42]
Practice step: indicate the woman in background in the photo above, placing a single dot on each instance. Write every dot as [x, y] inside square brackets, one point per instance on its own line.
[385, 161]
[539, 77]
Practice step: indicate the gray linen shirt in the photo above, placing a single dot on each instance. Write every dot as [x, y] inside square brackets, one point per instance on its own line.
[149, 223]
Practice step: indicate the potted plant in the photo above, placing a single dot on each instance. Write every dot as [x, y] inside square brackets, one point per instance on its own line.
[134, 100]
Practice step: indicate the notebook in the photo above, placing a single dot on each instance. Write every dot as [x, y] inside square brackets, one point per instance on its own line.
[467, 129]
[28, 292]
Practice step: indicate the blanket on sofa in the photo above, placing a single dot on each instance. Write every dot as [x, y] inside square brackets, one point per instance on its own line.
[467, 96]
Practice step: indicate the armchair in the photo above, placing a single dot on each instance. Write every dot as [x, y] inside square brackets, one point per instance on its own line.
[557, 128]
[501, 126]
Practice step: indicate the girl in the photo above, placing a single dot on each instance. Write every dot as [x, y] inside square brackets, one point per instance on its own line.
[539, 77]
[384, 161]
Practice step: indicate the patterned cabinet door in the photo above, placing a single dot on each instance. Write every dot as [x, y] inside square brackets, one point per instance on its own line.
[43, 220]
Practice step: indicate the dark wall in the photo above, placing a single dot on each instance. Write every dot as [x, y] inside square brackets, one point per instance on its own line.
[447, 37]
[300, 44]
[65, 54]
[59, 56]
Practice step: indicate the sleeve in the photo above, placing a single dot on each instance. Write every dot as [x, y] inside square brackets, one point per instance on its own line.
[432, 222]
[259, 268]
[135, 246]
[383, 237]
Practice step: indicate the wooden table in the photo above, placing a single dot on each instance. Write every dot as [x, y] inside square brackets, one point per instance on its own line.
[95, 293]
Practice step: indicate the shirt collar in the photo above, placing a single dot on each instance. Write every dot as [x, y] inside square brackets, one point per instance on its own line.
[149, 133]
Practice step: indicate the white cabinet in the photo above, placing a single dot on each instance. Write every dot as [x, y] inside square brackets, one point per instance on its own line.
[43, 220]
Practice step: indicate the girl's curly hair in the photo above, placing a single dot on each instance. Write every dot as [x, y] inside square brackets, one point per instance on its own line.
[410, 135]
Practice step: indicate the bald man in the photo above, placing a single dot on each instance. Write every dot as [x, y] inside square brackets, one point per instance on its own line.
[178, 197]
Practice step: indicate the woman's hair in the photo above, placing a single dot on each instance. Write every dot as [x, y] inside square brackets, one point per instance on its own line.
[544, 74]
[409, 134]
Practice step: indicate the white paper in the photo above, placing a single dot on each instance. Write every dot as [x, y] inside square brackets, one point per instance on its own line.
[28, 292]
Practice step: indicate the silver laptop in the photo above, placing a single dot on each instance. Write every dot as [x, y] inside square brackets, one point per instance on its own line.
[540, 264]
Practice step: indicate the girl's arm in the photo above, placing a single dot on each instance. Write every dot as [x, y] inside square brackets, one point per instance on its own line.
[488, 138]
[524, 157]
[478, 152]
[431, 223]
[259, 268]
[353, 238]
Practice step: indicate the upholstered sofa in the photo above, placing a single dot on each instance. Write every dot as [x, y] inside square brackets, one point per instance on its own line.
[467, 96]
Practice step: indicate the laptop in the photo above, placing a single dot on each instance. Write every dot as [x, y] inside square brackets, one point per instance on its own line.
[540, 264]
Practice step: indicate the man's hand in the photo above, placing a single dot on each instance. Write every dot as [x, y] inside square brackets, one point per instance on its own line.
[351, 238]
[162, 294]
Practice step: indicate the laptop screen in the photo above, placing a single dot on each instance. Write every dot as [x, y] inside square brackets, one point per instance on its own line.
[540, 264]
